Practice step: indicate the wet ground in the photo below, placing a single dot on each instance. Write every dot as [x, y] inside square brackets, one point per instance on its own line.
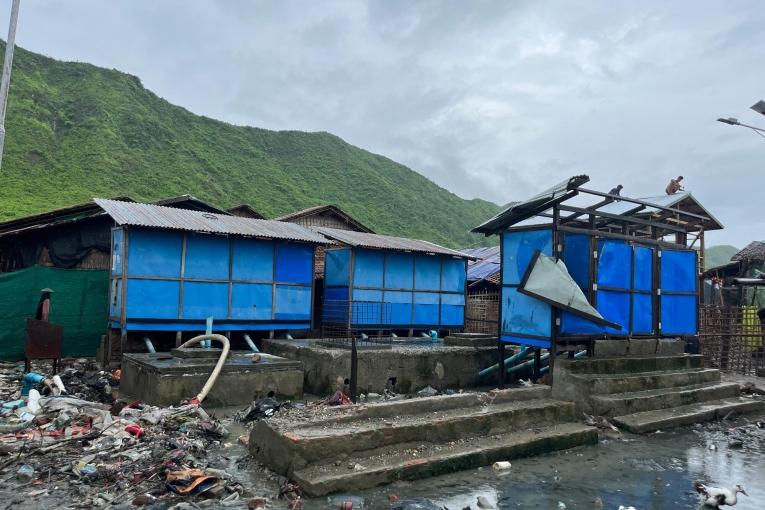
[652, 472]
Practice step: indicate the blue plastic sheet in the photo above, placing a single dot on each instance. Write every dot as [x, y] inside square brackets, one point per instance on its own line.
[253, 260]
[517, 250]
[207, 256]
[678, 270]
[337, 267]
[294, 263]
[204, 299]
[400, 307]
[154, 253]
[251, 301]
[453, 275]
[427, 271]
[426, 308]
[642, 314]
[368, 268]
[576, 256]
[152, 299]
[292, 303]
[615, 307]
[643, 277]
[614, 264]
[678, 314]
[399, 271]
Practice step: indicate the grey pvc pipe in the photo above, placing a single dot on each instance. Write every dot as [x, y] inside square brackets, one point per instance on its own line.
[149, 345]
[250, 343]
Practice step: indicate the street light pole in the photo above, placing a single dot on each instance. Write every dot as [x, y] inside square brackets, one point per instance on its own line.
[734, 122]
[5, 83]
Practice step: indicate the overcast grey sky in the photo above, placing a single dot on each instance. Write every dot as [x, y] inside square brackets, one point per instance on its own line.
[496, 100]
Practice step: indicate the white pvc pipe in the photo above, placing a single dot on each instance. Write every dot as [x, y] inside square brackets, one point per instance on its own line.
[288, 337]
[218, 366]
[250, 342]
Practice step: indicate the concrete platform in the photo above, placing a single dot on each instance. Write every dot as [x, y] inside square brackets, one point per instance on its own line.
[411, 366]
[645, 393]
[163, 379]
[355, 447]
[470, 340]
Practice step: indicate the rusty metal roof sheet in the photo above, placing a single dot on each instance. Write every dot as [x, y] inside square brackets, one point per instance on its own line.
[377, 241]
[157, 216]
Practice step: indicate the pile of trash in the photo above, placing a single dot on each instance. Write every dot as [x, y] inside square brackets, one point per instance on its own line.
[103, 451]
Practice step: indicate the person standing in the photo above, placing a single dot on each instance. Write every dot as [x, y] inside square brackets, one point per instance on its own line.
[43, 306]
[675, 185]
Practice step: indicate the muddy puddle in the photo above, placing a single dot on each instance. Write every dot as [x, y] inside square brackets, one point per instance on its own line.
[652, 472]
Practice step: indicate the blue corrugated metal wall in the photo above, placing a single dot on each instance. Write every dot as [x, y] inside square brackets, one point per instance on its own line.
[176, 280]
[395, 290]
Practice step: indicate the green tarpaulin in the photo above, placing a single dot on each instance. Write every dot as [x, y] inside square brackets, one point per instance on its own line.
[79, 302]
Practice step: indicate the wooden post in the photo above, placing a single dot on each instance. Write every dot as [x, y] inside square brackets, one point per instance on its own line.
[354, 370]
[501, 364]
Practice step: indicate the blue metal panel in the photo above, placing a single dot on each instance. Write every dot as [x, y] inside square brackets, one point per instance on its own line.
[453, 275]
[251, 301]
[614, 264]
[643, 278]
[399, 271]
[400, 307]
[678, 314]
[154, 253]
[204, 299]
[367, 295]
[426, 308]
[335, 304]
[368, 268]
[576, 256]
[678, 270]
[337, 267]
[152, 299]
[253, 260]
[292, 302]
[524, 315]
[221, 326]
[575, 324]
[294, 263]
[117, 252]
[615, 307]
[452, 309]
[517, 250]
[642, 314]
[207, 257]
[525, 341]
[427, 272]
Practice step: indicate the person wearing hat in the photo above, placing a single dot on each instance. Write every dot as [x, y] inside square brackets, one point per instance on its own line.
[43, 306]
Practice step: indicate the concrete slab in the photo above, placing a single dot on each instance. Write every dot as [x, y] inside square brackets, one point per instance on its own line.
[470, 340]
[610, 348]
[663, 398]
[670, 346]
[649, 421]
[162, 379]
[642, 346]
[411, 366]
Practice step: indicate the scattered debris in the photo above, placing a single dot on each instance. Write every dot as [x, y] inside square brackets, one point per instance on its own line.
[501, 465]
[427, 391]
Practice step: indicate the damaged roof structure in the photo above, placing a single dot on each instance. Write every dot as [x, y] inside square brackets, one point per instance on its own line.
[633, 259]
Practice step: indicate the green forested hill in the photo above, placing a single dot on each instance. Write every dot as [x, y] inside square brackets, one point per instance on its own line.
[76, 131]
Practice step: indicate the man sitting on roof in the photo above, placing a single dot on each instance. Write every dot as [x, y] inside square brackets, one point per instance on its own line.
[616, 191]
[675, 185]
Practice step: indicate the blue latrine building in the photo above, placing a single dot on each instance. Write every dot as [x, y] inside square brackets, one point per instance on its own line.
[376, 282]
[172, 269]
[616, 268]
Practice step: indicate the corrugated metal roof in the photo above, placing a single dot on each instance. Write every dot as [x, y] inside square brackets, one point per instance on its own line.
[519, 211]
[366, 240]
[685, 201]
[157, 216]
[487, 265]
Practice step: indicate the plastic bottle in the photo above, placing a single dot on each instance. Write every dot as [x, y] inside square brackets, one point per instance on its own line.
[33, 402]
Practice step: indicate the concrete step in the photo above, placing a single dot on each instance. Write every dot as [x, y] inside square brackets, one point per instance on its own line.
[648, 421]
[420, 460]
[603, 384]
[632, 364]
[619, 404]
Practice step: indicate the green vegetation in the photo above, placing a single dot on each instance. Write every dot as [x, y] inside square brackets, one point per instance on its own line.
[718, 255]
[76, 131]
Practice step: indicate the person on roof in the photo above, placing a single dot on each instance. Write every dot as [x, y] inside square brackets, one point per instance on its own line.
[616, 191]
[675, 185]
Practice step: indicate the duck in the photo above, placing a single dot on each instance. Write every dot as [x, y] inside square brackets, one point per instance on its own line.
[716, 497]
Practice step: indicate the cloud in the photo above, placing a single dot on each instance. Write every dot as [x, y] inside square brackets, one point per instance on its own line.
[489, 99]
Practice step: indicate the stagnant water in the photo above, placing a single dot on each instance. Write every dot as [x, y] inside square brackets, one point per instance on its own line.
[650, 472]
